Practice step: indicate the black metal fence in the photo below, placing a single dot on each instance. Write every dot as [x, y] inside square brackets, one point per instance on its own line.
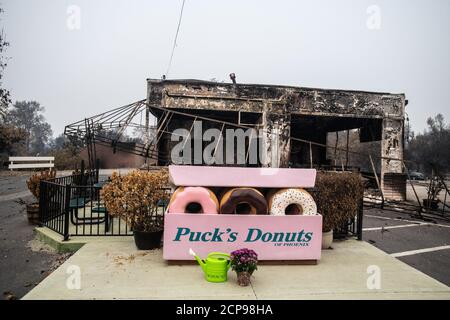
[72, 206]
[52, 207]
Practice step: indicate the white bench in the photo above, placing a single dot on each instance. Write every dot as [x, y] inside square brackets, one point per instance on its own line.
[31, 162]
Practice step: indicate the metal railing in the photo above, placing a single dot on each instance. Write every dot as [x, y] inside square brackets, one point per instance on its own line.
[87, 214]
[52, 206]
[72, 206]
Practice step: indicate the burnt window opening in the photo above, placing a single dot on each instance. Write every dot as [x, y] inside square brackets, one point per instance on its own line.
[249, 118]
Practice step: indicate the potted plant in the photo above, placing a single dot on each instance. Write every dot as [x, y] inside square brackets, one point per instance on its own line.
[244, 262]
[433, 189]
[327, 232]
[33, 184]
[338, 195]
[136, 198]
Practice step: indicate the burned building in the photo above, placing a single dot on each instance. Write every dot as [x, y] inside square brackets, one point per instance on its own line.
[293, 124]
[294, 120]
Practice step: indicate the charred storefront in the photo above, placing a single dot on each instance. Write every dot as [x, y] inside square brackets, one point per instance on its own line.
[299, 125]
[225, 123]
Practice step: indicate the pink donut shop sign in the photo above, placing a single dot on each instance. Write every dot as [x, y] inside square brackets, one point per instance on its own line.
[289, 237]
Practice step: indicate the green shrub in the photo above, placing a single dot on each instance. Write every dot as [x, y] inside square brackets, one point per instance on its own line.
[338, 195]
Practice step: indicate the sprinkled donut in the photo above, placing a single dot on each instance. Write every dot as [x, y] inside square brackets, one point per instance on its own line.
[291, 202]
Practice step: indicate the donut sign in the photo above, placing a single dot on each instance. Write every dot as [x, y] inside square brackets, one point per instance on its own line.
[272, 237]
[225, 208]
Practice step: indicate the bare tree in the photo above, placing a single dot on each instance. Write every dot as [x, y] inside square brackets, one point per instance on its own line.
[28, 116]
[431, 149]
[5, 98]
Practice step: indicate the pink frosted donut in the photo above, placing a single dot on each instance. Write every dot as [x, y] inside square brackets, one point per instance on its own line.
[193, 200]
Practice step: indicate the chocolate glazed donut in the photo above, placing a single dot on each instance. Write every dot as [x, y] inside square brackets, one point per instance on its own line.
[243, 201]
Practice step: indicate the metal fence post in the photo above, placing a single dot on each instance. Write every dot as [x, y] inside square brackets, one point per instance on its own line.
[82, 179]
[67, 213]
[359, 227]
[97, 169]
[42, 202]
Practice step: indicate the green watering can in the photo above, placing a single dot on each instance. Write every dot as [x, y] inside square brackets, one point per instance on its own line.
[215, 266]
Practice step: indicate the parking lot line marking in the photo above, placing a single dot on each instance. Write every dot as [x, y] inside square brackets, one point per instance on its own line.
[412, 252]
[405, 220]
[395, 227]
[388, 218]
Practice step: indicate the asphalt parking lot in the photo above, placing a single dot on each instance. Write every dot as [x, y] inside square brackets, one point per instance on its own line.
[423, 245]
[24, 262]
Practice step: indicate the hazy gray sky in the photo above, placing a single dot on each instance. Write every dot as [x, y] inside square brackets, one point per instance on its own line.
[76, 73]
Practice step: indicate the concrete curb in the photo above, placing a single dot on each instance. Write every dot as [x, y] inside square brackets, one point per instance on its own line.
[55, 241]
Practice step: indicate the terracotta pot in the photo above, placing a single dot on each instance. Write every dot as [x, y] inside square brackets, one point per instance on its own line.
[243, 278]
[327, 239]
[33, 213]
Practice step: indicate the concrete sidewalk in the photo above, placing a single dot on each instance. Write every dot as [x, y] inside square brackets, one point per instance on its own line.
[116, 270]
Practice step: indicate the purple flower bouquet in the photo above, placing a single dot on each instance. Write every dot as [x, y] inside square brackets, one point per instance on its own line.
[244, 262]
